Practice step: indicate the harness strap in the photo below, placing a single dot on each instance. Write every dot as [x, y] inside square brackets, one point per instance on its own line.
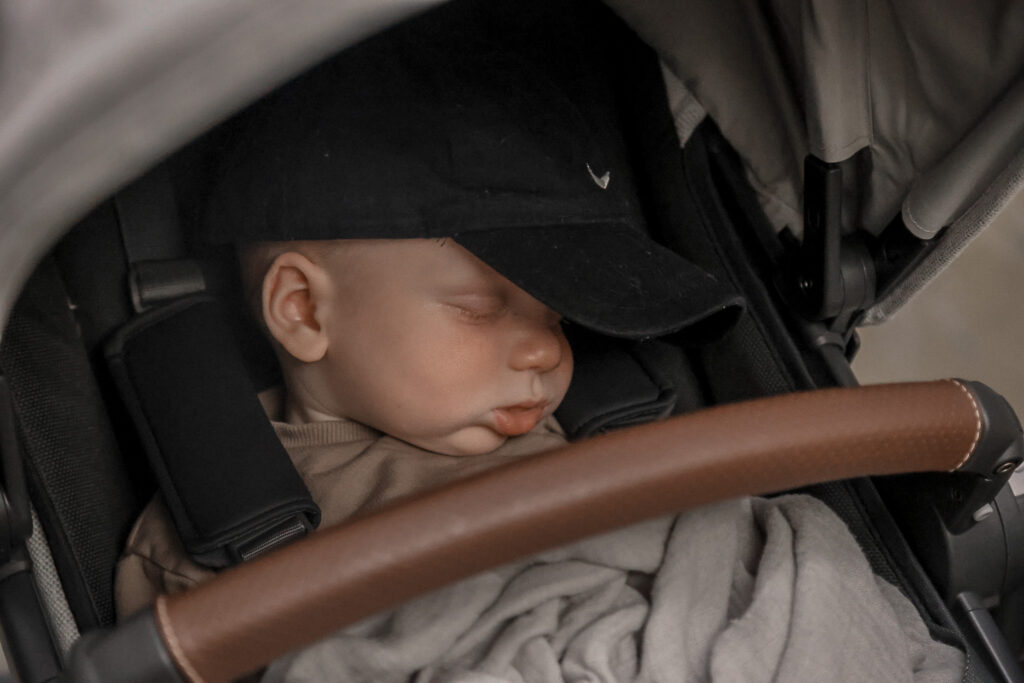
[159, 270]
[229, 485]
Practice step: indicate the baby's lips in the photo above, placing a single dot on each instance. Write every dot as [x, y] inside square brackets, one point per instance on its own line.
[518, 419]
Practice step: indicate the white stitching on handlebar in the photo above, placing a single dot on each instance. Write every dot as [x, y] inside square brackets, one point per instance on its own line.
[977, 418]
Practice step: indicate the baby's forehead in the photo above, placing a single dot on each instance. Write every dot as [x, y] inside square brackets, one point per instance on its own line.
[432, 261]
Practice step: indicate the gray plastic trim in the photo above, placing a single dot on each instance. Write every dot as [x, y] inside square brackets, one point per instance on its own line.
[941, 196]
[977, 217]
[51, 592]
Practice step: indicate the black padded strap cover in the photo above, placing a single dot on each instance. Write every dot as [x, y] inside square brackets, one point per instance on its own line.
[227, 480]
[615, 384]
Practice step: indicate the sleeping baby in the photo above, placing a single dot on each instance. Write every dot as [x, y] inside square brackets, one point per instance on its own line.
[415, 228]
[416, 224]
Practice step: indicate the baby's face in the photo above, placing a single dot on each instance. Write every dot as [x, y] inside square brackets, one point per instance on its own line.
[430, 345]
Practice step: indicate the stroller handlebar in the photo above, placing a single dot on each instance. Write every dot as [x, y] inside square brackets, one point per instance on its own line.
[253, 613]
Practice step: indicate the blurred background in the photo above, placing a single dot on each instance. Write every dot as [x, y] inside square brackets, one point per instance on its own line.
[968, 322]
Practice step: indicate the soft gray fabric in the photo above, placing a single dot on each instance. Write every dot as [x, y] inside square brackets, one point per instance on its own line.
[746, 590]
[686, 111]
[785, 78]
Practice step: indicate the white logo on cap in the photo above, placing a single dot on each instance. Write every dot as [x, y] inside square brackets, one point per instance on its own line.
[602, 181]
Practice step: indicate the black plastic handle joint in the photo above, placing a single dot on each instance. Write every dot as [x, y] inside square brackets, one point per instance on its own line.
[999, 451]
[133, 652]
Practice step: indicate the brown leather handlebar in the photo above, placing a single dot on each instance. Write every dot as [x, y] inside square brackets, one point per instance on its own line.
[254, 613]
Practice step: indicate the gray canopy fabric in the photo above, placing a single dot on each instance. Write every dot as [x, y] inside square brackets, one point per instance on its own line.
[785, 79]
[93, 92]
[904, 80]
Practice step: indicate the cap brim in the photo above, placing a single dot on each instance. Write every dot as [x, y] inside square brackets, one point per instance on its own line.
[609, 278]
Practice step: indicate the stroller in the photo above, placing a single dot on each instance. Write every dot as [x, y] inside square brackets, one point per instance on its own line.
[734, 118]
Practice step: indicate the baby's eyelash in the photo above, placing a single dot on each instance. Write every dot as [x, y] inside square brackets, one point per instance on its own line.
[481, 315]
[475, 315]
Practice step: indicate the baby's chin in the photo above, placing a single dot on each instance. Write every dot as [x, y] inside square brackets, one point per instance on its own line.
[469, 441]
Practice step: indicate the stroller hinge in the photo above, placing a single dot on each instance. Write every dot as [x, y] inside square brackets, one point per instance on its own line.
[837, 277]
[831, 277]
[835, 274]
[897, 252]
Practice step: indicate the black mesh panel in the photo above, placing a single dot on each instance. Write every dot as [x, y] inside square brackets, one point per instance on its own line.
[75, 474]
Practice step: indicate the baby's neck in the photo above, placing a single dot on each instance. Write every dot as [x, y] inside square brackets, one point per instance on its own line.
[301, 401]
[297, 413]
[279, 406]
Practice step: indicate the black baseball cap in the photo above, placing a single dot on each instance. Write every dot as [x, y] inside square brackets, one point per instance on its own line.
[442, 127]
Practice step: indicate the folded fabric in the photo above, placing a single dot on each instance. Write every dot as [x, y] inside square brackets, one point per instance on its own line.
[745, 590]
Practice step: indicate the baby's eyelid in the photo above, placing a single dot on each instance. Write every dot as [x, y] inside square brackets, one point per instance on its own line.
[482, 307]
[478, 302]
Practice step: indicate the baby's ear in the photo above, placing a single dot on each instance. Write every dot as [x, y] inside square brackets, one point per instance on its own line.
[292, 289]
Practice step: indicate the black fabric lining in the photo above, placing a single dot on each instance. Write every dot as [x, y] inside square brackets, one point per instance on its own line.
[85, 502]
[684, 212]
[763, 335]
[92, 265]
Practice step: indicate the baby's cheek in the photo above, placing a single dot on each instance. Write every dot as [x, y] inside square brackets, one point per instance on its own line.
[464, 362]
[563, 375]
[470, 441]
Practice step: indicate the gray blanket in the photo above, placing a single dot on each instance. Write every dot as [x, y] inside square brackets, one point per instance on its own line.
[745, 590]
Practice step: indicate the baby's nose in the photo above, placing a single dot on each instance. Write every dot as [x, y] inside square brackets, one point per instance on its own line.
[539, 349]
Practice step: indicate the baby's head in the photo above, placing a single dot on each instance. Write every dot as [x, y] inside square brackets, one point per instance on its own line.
[425, 207]
[417, 338]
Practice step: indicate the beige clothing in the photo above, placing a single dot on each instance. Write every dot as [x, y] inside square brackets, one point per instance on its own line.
[348, 467]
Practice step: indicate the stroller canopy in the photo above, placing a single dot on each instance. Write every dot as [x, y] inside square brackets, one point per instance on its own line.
[93, 94]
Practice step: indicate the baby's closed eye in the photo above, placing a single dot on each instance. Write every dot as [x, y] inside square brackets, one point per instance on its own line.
[478, 307]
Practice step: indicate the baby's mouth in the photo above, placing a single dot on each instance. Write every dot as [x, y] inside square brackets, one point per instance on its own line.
[519, 418]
